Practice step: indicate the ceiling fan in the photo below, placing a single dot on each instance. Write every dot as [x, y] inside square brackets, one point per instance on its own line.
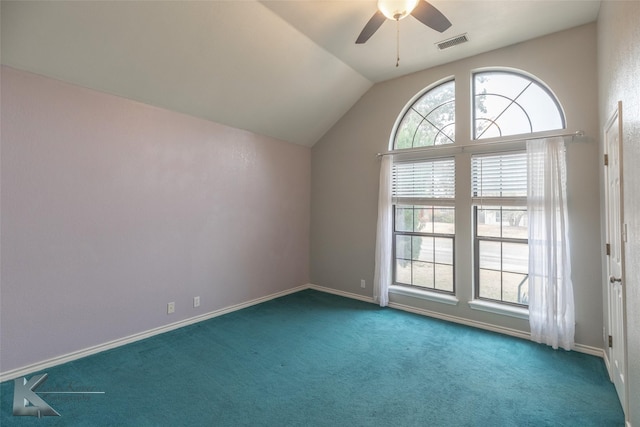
[396, 10]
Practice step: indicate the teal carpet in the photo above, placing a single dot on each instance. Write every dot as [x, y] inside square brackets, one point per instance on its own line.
[315, 359]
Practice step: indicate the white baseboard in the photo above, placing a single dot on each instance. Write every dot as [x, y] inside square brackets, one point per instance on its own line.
[587, 349]
[45, 364]
[340, 293]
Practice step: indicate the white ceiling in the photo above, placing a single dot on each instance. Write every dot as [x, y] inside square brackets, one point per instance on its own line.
[285, 69]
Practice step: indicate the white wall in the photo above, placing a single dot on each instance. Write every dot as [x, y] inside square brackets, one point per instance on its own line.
[618, 67]
[345, 176]
[112, 208]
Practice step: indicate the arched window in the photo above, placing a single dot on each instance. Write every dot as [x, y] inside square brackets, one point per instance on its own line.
[430, 120]
[426, 197]
[511, 103]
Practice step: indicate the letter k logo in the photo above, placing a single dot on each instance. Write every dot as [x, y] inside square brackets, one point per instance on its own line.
[27, 402]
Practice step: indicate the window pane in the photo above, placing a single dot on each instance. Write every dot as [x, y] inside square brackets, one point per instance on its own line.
[403, 271]
[485, 124]
[446, 135]
[443, 250]
[488, 223]
[423, 274]
[508, 222]
[490, 254]
[404, 218]
[444, 220]
[423, 219]
[423, 248]
[514, 120]
[509, 103]
[515, 257]
[425, 135]
[407, 129]
[505, 83]
[514, 287]
[434, 99]
[490, 284]
[515, 223]
[403, 247]
[444, 277]
[430, 120]
[542, 109]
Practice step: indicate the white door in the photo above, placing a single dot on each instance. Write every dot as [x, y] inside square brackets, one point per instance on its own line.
[615, 265]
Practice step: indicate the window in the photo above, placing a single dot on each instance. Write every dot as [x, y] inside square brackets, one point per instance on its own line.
[430, 120]
[501, 251]
[509, 103]
[424, 224]
[486, 220]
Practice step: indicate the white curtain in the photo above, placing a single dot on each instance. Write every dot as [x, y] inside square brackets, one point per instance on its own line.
[551, 306]
[382, 274]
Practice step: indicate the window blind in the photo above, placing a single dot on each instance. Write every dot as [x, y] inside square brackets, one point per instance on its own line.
[426, 180]
[499, 175]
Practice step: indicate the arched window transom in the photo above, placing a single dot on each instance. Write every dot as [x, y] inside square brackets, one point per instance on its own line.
[510, 103]
[430, 120]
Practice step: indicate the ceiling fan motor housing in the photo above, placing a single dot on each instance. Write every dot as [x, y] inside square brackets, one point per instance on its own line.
[396, 9]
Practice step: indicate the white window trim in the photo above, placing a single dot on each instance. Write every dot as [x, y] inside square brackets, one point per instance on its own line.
[500, 308]
[423, 294]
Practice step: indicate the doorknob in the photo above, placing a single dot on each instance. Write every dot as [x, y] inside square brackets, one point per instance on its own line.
[615, 279]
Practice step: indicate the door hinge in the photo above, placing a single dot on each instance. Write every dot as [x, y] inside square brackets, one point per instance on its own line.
[606, 160]
[608, 248]
[610, 341]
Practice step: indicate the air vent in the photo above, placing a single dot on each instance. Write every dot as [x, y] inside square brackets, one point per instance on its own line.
[454, 41]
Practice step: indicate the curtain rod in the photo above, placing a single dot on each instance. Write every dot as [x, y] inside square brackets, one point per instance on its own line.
[477, 145]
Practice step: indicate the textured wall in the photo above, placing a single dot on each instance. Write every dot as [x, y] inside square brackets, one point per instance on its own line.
[112, 208]
[618, 67]
[345, 175]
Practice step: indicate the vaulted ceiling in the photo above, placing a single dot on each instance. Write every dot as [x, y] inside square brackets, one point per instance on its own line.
[285, 69]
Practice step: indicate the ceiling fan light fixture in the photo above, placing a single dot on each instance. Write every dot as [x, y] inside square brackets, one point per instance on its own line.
[396, 9]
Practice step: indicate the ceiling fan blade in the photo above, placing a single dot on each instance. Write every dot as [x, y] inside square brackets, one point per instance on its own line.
[430, 16]
[372, 26]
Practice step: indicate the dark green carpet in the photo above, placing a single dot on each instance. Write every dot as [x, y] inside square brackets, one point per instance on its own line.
[314, 359]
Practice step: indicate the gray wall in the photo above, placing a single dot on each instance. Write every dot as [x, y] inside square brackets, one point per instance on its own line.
[618, 67]
[344, 175]
[112, 208]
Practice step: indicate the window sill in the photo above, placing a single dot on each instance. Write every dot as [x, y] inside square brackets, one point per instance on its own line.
[423, 294]
[496, 308]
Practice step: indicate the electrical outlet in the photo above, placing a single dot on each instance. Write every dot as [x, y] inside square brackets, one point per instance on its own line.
[196, 302]
[363, 284]
[171, 307]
